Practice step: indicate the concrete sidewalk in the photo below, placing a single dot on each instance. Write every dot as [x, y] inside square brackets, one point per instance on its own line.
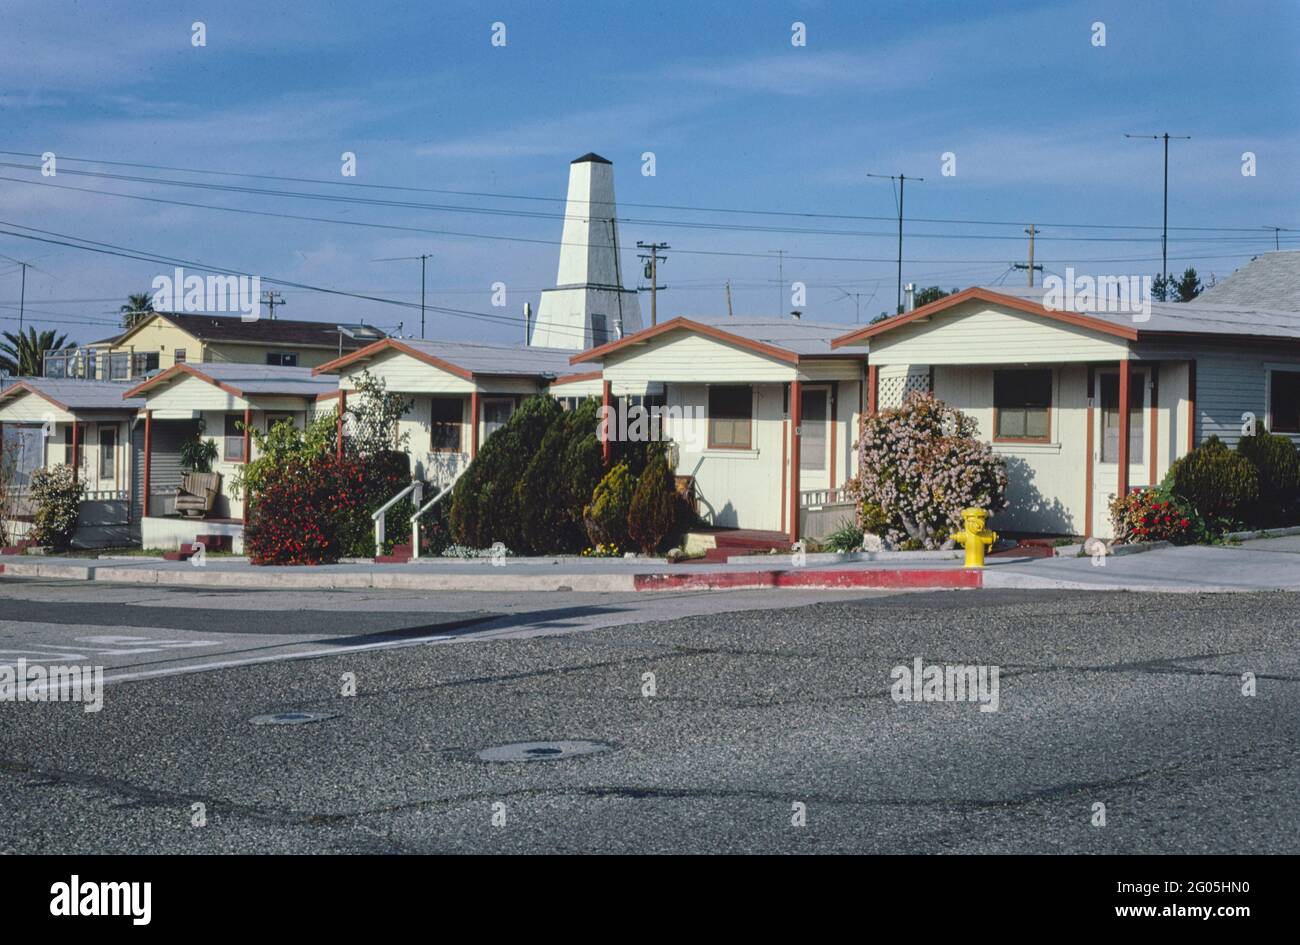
[1257, 565]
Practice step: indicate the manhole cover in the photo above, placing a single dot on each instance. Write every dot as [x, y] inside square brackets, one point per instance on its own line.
[542, 751]
[291, 718]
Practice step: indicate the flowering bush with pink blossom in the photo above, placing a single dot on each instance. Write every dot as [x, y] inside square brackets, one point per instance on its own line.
[919, 465]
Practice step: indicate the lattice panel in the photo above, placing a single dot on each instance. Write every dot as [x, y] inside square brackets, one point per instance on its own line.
[896, 385]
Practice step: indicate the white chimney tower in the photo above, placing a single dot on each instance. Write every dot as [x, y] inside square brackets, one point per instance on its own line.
[588, 305]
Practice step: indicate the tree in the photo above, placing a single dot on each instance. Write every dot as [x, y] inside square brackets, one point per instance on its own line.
[138, 307]
[1163, 289]
[24, 355]
[1189, 286]
[931, 294]
[652, 512]
[370, 424]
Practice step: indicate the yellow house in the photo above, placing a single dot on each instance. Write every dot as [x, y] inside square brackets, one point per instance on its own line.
[165, 339]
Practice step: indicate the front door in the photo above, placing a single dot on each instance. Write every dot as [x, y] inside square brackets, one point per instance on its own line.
[814, 430]
[1105, 441]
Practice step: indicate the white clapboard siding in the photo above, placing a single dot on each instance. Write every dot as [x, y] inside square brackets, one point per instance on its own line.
[685, 357]
[977, 333]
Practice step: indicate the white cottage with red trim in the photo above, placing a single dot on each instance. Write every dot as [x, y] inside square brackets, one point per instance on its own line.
[1088, 403]
[762, 413]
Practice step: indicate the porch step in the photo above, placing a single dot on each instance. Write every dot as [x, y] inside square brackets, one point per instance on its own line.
[399, 555]
[20, 548]
[186, 552]
[215, 542]
[1026, 548]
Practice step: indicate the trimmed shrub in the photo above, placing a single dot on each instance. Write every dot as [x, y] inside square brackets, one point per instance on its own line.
[606, 519]
[1277, 464]
[653, 511]
[486, 504]
[1218, 483]
[57, 496]
[919, 466]
[559, 481]
[1148, 515]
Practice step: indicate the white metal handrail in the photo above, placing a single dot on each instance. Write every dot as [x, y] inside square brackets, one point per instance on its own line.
[816, 497]
[416, 489]
[415, 519]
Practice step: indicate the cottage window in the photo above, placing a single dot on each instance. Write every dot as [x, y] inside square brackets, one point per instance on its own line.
[282, 358]
[1284, 401]
[445, 425]
[731, 415]
[179, 356]
[107, 452]
[143, 363]
[495, 415]
[233, 452]
[1110, 417]
[1022, 403]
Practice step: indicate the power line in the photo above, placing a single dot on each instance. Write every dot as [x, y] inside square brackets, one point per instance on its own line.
[562, 200]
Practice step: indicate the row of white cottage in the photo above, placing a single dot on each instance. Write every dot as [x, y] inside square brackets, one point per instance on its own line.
[768, 409]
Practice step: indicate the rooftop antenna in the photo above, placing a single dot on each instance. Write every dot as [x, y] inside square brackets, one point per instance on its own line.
[423, 257]
[902, 181]
[272, 299]
[1164, 234]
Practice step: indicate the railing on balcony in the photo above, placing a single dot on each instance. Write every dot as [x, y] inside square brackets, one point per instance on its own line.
[90, 364]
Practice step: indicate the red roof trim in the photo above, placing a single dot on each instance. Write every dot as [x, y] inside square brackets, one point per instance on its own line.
[23, 385]
[576, 378]
[594, 354]
[395, 345]
[996, 298]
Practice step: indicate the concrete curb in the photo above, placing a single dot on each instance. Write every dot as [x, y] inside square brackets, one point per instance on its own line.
[504, 580]
[916, 578]
[1264, 533]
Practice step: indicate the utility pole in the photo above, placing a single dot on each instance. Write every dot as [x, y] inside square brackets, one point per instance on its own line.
[272, 299]
[22, 299]
[1276, 230]
[1030, 265]
[1164, 235]
[422, 257]
[902, 180]
[730, 314]
[652, 273]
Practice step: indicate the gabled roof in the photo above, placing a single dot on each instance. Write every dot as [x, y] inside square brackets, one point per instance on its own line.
[466, 359]
[231, 329]
[73, 395]
[246, 380]
[1122, 329]
[1269, 281]
[786, 339]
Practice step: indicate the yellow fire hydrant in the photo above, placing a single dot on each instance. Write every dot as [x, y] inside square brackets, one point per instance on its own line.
[973, 537]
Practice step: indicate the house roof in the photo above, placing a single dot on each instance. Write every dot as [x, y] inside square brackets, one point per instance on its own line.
[466, 359]
[73, 395]
[1167, 318]
[785, 339]
[231, 329]
[1269, 281]
[247, 380]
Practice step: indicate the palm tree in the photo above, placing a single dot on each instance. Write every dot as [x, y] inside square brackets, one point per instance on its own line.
[24, 355]
[137, 307]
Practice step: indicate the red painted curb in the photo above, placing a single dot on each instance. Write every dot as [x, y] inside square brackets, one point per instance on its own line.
[882, 577]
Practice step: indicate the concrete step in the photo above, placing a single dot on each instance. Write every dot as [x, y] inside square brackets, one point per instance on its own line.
[185, 553]
[17, 548]
[399, 555]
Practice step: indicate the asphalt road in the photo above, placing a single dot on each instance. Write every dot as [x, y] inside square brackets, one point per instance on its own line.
[1131, 701]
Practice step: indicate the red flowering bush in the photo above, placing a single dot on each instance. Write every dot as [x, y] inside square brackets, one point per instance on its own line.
[296, 515]
[919, 466]
[1152, 515]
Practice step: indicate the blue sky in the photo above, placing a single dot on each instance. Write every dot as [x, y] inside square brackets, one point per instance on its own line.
[737, 117]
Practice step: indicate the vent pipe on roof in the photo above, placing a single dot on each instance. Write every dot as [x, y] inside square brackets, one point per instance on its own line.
[618, 327]
[528, 322]
[909, 297]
